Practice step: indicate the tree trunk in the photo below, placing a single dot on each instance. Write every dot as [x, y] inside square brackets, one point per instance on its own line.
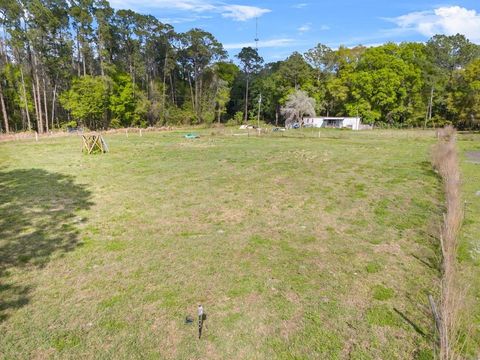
[164, 87]
[24, 123]
[38, 115]
[45, 105]
[78, 52]
[245, 115]
[39, 97]
[428, 115]
[31, 60]
[172, 88]
[39, 100]
[25, 100]
[100, 53]
[4, 110]
[53, 102]
[431, 105]
[276, 115]
[199, 99]
[196, 96]
[191, 92]
[35, 103]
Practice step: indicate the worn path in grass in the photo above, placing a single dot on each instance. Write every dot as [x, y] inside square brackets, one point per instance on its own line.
[296, 247]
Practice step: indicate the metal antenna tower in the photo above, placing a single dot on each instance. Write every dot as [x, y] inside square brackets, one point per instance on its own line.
[256, 33]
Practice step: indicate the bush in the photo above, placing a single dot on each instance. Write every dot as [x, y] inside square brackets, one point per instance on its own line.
[115, 124]
[70, 124]
[238, 118]
[180, 116]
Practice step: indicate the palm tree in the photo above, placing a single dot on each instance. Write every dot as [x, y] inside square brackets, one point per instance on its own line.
[297, 106]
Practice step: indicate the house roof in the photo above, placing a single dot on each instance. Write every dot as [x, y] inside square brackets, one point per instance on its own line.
[332, 117]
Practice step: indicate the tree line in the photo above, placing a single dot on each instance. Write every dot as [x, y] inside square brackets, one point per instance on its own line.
[81, 63]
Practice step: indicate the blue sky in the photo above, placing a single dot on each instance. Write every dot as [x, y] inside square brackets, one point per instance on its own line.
[285, 26]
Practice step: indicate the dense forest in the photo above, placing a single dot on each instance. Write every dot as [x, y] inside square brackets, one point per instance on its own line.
[80, 62]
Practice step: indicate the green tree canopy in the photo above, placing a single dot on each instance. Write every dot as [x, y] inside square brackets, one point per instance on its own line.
[87, 100]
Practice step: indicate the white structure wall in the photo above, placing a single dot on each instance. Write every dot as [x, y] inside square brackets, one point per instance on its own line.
[353, 123]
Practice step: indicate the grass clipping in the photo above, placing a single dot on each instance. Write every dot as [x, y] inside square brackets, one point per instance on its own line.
[447, 316]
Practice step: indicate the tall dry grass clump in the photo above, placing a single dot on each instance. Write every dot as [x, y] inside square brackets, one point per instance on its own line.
[445, 161]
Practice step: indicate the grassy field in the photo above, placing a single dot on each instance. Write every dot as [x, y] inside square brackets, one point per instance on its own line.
[297, 246]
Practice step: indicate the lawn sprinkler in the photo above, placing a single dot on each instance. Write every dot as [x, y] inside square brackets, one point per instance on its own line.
[188, 320]
[201, 316]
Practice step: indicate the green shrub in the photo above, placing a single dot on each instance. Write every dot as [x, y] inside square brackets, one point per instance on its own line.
[115, 124]
[238, 118]
[180, 115]
[70, 124]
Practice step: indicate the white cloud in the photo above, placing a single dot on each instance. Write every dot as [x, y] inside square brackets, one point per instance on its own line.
[232, 11]
[443, 20]
[182, 5]
[308, 27]
[300, 6]
[281, 42]
[182, 20]
[305, 28]
[243, 12]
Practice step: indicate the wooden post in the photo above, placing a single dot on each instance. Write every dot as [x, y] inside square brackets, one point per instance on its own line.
[100, 143]
[126, 132]
[36, 136]
[436, 316]
[141, 132]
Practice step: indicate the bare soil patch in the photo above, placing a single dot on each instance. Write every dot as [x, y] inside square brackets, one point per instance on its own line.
[474, 156]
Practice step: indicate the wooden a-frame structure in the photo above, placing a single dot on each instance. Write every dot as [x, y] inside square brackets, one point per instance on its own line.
[93, 143]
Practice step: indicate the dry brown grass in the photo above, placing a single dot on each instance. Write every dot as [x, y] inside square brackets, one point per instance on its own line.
[445, 161]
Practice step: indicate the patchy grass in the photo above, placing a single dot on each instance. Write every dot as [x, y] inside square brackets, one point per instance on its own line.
[283, 239]
[382, 293]
[382, 315]
[469, 247]
[373, 267]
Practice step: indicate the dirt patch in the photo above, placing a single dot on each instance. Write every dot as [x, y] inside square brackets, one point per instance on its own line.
[474, 156]
[292, 326]
[390, 248]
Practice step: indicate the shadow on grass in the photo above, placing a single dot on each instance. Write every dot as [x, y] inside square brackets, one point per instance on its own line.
[37, 218]
[415, 327]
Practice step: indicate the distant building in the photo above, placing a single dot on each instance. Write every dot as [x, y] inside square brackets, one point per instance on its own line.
[353, 123]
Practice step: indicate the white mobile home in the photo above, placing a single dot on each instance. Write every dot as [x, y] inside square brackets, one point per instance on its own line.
[353, 123]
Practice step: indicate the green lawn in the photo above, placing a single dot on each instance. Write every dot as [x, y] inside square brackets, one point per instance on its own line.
[297, 246]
